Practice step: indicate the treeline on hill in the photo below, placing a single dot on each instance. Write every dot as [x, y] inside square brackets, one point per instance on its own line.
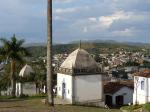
[94, 48]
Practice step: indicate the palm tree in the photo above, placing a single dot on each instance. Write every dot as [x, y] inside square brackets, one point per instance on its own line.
[13, 52]
[49, 54]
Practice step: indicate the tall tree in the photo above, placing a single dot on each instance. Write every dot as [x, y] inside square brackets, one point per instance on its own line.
[13, 52]
[49, 54]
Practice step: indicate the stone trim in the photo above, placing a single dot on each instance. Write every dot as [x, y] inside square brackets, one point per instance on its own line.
[79, 71]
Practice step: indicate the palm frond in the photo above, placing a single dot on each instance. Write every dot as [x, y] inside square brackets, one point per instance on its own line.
[20, 43]
[24, 51]
[2, 54]
[13, 49]
[14, 39]
[4, 41]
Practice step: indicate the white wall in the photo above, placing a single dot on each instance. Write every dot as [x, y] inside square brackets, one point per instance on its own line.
[142, 96]
[27, 88]
[68, 80]
[127, 95]
[88, 87]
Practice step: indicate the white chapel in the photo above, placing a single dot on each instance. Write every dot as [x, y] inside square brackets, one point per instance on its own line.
[79, 79]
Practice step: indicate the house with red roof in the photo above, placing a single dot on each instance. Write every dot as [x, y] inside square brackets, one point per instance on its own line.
[118, 93]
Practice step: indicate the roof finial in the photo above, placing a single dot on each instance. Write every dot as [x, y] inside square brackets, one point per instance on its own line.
[80, 45]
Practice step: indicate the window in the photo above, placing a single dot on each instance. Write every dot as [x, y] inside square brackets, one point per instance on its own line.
[68, 91]
[142, 85]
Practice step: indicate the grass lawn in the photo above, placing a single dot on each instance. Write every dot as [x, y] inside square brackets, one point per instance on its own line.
[145, 107]
[132, 107]
[36, 105]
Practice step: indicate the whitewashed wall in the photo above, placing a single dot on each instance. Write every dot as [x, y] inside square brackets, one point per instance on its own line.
[68, 80]
[28, 89]
[88, 87]
[142, 96]
[127, 95]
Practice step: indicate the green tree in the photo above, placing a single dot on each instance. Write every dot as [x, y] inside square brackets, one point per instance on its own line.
[40, 74]
[4, 80]
[13, 52]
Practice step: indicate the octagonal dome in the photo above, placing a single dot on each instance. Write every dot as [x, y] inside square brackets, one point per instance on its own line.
[26, 71]
[80, 60]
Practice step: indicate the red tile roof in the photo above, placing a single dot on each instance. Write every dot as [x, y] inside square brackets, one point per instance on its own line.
[113, 87]
[144, 73]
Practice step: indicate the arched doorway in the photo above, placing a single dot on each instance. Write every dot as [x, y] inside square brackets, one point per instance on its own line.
[108, 100]
[63, 90]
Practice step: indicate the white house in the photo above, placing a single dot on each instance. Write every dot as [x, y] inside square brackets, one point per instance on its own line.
[28, 88]
[79, 79]
[118, 93]
[141, 87]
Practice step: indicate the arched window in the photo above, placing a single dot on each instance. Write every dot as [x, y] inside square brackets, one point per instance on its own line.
[142, 85]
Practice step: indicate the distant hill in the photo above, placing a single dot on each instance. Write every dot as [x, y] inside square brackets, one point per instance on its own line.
[34, 44]
[113, 42]
[94, 47]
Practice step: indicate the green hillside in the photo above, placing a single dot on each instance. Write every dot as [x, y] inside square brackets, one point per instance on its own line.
[94, 48]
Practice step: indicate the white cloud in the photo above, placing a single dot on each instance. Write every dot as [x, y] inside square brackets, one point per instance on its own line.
[128, 32]
[103, 22]
[71, 10]
[63, 1]
[59, 18]
[65, 10]
[93, 19]
[107, 21]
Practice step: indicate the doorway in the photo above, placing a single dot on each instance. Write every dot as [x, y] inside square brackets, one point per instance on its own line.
[63, 90]
[108, 100]
[119, 100]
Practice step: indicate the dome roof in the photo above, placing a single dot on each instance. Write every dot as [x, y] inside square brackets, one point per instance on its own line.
[26, 71]
[80, 60]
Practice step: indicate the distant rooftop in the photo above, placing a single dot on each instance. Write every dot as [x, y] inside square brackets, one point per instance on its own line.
[113, 87]
[144, 73]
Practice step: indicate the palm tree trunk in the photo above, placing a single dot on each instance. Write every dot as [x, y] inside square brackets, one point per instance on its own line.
[49, 54]
[13, 82]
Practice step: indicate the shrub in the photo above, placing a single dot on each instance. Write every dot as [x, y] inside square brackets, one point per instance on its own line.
[131, 108]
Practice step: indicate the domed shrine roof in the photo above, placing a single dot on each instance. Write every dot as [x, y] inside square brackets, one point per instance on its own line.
[80, 62]
[26, 71]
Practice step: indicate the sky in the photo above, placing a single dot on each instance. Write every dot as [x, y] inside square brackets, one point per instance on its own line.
[73, 20]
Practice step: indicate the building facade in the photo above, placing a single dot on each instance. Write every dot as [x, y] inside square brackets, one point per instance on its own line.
[141, 87]
[79, 79]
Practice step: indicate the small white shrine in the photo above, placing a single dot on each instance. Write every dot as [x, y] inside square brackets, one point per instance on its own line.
[79, 79]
